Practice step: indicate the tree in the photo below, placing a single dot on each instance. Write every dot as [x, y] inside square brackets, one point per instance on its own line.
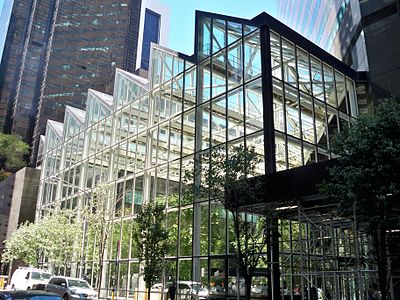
[96, 215]
[151, 240]
[62, 237]
[227, 179]
[53, 236]
[366, 181]
[26, 245]
[12, 152]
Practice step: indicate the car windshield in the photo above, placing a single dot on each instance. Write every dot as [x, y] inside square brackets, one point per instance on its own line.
[40, 276]
[78, 283]
[198, 287]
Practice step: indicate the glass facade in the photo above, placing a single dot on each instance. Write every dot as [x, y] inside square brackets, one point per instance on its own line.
[145, 140]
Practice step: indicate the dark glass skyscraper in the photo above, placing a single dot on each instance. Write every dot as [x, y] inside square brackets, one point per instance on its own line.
[55, 51]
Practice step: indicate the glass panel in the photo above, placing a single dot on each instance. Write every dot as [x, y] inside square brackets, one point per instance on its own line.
[294, 153]
[280, 151]
[217, 276]
[186, 232]
[303, 71]
[341, 93]
[218, 35]
[316, 76]
[205, 77]
[188, 132]
[185, 274]
[235, 65]
[292, 112]
[252, 55]
[351, 95]
[175, 138]
[235, 114]
[320, 124]
[254, 106]
[276, 63]
[256, 140]
[218, 121]
[218, 228]
[310, 153]
[234, 32]
[307, 120]
[289, 63]
[218, 73]
[333, 125]
[330, 93]
[189, 95]
[204, 120]
[279, 117]
[176, 95]
[205, 37]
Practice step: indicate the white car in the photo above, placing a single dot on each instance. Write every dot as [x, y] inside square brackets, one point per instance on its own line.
[29, 279]
[185, 289]
[70, 288]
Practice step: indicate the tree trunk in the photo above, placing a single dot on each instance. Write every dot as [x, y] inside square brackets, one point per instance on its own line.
[100, 275]
[148, 293]
[247, 283]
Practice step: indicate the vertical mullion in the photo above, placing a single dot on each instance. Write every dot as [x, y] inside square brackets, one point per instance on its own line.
[267, 93]
[299, 105]
[326, 110]
[313, 106]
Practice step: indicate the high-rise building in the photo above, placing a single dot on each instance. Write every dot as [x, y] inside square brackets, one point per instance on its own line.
[56, 50]
[254, 84]
[364, 34]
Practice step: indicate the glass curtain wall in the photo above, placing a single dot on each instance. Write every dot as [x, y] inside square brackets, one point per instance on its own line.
[143, 141]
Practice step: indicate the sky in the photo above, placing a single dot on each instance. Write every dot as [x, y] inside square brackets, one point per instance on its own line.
[182, 17]
[181, 37]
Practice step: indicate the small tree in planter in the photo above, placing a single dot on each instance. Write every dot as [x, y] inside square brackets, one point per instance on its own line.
[151, 240]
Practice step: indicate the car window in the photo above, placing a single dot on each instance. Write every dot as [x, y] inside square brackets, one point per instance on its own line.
[54, 280]
[78, 283]
[63, 282]
[40, 276]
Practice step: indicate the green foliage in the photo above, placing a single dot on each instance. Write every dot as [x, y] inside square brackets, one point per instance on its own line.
[367, 177]
[366, 181]
[12, 152]
[25, 244]
[52, 236]
[227, 178]
[151, 239]
[96, 217]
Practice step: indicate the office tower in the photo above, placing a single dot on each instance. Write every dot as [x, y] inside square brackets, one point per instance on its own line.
[65, 48]
[364, 34]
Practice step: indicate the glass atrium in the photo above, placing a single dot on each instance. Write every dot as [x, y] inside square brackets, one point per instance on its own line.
[250, 82]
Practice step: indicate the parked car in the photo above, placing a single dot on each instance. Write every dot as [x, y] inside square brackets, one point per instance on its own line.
[185, 289]
[29, 295]
[71, 288]
[29, 279]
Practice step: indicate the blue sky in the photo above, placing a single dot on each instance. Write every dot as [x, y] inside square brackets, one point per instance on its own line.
[181, 36]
